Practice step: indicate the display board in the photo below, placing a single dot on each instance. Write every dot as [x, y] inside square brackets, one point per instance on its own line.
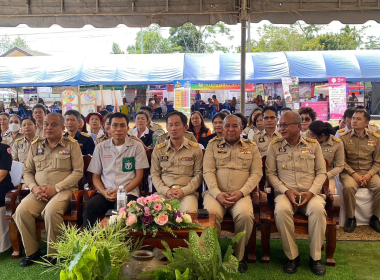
[182, 89]
[321, 108]
[337, 97]
[291, 92]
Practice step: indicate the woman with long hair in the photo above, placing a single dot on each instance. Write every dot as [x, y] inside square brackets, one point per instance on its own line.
[332, 149]
[252, 115]
[258, 122]
[198, 127]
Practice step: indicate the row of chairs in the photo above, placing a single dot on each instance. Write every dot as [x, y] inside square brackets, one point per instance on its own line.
[263, 205]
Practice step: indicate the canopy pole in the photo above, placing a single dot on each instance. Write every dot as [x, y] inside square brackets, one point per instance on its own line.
[242, 65]
[249, 37]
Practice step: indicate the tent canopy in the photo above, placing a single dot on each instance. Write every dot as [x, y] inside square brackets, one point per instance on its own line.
[142, 13]
[113, 69]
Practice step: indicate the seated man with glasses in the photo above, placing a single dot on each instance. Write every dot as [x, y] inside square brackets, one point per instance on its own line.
[296, 169]
[119, 161]
[270, 133]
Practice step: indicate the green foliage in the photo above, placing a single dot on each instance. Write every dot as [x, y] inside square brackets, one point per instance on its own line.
[116, 49]
[184, 276]
[89, 264]
[73, 240]
[203, 259]
[6, 44]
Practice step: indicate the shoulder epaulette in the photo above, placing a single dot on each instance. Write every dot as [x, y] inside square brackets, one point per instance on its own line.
[341, 130]
[376, 135]
[372, 124]
[344, 133]
[86, 135]
[311, 140]
[19, 139]
[275, 141]
[71, 139]
[38, 138]
[159, 146]
[213, 139]
[185, 132]
[252, 142]
[336, 139]
[191, 143]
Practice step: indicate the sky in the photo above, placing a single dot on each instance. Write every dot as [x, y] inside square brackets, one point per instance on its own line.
[89, 40]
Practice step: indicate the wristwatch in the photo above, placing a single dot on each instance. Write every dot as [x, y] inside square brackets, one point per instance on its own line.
[57, 189]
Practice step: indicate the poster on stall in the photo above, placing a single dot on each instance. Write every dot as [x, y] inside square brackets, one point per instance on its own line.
[337, 97]
[321, 108]
[141, 96]
[69, 98]
[291, 92]
[182, 92]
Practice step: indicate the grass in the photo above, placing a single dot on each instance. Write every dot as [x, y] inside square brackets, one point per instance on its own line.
[355, 260]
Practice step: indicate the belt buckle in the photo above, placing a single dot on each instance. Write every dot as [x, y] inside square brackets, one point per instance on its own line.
[176, 187]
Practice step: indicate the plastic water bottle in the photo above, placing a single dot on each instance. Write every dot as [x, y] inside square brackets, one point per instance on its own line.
[121, 198]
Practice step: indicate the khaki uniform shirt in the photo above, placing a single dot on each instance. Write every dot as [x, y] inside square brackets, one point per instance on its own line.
[341, 131]
[372, 128]
[40, 131]
[362, 154]
[263, 140]
[301, 168]
[229, 168]
[20, 149]
[9, 139]
[61, 166]
[102, 138]
[118, 168]
[333, 151]
[154, 126]
[164, 137]
[181, 168]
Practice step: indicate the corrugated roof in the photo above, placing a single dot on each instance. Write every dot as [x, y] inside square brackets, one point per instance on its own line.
[18, 51]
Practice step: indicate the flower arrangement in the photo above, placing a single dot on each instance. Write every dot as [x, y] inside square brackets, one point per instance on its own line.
[152, 213]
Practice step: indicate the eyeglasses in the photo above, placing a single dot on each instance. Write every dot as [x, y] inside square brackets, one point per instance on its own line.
[272, 118]
[285, 125]
[122, 126]
[307, 119]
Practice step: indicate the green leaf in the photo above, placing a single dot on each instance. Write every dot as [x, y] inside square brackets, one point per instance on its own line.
[203, 246]
[101, 264]
[63, 275]
[114, 273]
[107, 261]
[77, 256]
[237, 237]
[231, 265]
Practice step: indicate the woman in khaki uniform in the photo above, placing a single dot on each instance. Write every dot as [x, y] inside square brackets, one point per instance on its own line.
[332, 149]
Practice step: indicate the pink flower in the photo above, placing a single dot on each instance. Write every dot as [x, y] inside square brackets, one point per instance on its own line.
[147, 209]
[147, 200]
[179, 220]
[154, 197]
[157, 207]
[147, 214]
[132, 219]
[122, 213]
[138, 208]
[161, 219]
[141, 200]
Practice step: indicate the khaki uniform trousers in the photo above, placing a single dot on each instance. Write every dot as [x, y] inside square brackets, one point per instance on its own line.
[314, 210]
[350, 187]
[189, 203]
[52, 212]
[242, 214]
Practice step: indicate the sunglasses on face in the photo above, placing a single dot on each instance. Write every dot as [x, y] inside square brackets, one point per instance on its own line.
[307, 119]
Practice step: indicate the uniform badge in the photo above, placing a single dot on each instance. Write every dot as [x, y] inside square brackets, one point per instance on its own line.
[187, 158]
[371, 143]
[261, 140]
[129, 164]
[20, 147]
[310, 151]
[221, 149]
[350, 142]
[9, 150]
[328, 150]
[221, 163]
[40, 150]
[165, 157]
[284, 167]
[282, 150]
[204, 135]
[63, 152]
[246, 151]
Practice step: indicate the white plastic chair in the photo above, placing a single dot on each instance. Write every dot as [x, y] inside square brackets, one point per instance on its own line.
[16, 173]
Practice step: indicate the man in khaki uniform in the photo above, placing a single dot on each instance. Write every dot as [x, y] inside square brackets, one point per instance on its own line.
[177, 165]
[52, 170]
[119, 161]
[39, 113]
[361, 168]
[232, 168]
[371, 127]
[295, 167]
[164, 137]
[151, 125]
[270, 133]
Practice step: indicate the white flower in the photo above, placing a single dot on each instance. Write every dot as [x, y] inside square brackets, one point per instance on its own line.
[113, 219]
[187, 218]
[179, 220]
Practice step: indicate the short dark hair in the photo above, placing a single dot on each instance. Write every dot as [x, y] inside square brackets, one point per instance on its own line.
[73, 112]
[39, 105]
[365, 114]
[349, 113]
[243, 119]
[319, 127]
[360, 107]
[17, 116]
[4, 114]
[104, 112]
[285, 109]
[84, 128]
[148, 108]
[218, 115]
[270, 108]
[145, 114]
[28, 118]
[176, 113]
[309, 111]
[108, 116]
[119, 115]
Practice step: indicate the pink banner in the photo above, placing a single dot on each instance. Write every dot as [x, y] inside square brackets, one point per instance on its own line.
[337, 97]
[320, 107]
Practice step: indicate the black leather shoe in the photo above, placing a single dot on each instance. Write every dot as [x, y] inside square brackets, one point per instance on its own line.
[291, 266]
[29, 260]
[350, 225]
[243, 266]
[52, 261]
[375, 223]
[317, 267]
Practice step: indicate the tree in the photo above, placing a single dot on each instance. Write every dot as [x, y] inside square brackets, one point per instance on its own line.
[153, 42]
[199, 39]
[116, 49]
[6, 44]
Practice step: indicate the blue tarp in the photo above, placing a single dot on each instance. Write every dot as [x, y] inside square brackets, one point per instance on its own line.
[316, 66]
